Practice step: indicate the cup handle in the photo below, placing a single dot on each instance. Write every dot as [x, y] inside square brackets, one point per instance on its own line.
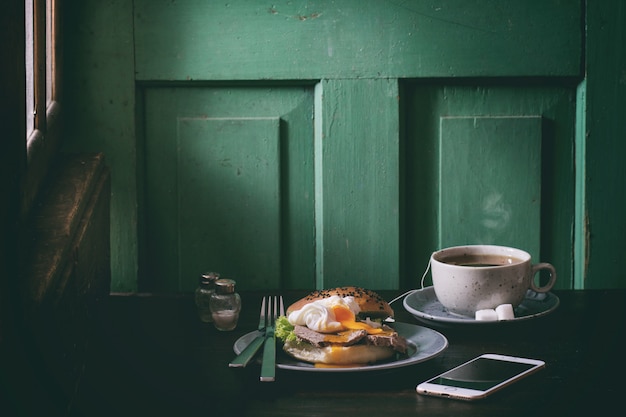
[536, 268]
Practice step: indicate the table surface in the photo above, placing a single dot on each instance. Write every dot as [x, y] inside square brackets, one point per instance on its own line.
[154, 357]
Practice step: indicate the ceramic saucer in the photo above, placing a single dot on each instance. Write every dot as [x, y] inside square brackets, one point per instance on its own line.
[425, 307]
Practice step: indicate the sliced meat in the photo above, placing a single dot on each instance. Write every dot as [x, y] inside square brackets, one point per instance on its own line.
[347, 338]
[388, 338]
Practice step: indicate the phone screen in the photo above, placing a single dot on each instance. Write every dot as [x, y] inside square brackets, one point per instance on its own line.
[481, 374]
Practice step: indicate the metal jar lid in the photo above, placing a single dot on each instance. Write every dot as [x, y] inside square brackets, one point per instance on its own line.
[225, 286]
[209, 277]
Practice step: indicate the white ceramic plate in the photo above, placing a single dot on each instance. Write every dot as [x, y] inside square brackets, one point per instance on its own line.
[424, 344]
[425, 307]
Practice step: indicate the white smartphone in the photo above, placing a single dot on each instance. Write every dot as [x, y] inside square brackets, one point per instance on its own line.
[480, 377]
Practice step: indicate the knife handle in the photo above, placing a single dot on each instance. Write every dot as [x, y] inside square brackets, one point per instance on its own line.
[268, 367]
[248, 353]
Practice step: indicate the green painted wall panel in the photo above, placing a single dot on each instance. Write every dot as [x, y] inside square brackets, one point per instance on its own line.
[228, 172]
[246, 39]
[98, 106]
[426, 105]
[358, 176]
[603, 146]
[228, 185]
[490, 182]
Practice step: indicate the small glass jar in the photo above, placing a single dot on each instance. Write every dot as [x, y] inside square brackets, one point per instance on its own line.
[225, 305]
[202, 295]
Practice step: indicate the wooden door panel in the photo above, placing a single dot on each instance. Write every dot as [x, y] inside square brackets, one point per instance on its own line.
[229, 198]
[440, 166]
[228, 186]
[252, 40]
[358, 183]
[490, 182]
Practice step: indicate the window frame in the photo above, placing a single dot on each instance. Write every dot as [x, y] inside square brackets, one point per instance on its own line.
[43, 142]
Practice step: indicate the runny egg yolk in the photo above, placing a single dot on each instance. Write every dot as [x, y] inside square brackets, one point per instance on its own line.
[346, 317]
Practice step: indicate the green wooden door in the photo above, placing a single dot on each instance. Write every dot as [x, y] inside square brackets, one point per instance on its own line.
[313, 144]
[229, 185]
[491, 163]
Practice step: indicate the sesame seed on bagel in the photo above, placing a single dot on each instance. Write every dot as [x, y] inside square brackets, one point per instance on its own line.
[371, 304]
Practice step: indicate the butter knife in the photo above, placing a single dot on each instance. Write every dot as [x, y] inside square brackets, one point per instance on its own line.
[248, 353]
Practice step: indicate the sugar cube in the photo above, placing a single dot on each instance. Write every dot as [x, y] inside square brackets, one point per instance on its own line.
[505, 312]
[488, 314]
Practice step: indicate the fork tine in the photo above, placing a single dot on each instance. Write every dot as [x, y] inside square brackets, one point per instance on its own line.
[282, 306]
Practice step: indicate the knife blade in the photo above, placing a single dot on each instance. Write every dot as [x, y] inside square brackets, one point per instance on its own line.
[248, 353]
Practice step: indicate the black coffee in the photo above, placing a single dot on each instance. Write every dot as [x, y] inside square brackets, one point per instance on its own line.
[482, 260]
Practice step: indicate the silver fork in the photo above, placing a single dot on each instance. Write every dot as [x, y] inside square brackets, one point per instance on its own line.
[268, 367]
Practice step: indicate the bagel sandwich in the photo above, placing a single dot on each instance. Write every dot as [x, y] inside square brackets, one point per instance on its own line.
[340, 327]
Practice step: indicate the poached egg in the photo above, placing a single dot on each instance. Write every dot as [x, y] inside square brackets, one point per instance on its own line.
[331, 315]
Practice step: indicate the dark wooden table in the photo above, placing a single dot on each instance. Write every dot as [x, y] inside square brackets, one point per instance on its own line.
[155, 358]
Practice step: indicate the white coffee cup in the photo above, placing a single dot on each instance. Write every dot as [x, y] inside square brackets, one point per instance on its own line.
[477, 277]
